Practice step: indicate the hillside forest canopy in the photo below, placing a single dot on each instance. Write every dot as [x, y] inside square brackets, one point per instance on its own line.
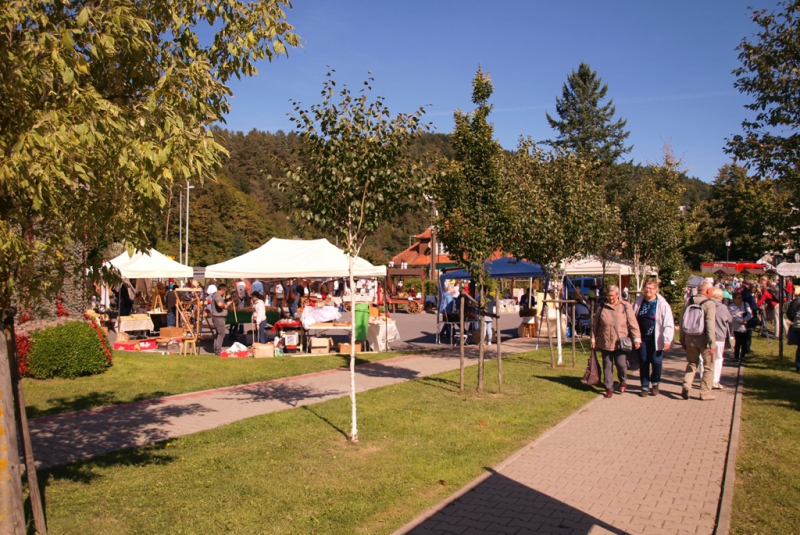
[243, 207]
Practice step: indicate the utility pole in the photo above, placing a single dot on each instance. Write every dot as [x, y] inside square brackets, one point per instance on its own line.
[186, 256]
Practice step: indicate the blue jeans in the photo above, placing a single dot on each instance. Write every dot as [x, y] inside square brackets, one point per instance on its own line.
[170, 319]
[649, 357]
[262, 334]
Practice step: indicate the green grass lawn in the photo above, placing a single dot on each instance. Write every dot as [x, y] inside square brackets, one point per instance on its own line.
[767, 492]
[137, 376]
[295, 472]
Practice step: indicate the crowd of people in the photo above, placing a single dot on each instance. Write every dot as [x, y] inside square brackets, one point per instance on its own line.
[716, 315]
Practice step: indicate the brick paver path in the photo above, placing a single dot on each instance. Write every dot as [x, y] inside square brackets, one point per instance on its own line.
[64, 438]
[620, 465]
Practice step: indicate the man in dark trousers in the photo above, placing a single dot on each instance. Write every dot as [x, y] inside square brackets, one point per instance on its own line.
[219, 312]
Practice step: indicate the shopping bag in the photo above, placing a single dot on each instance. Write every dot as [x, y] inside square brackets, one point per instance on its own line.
[633, 360]
[592, 375]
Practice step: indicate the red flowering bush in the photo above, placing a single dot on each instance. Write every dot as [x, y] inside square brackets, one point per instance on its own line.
[23, 342]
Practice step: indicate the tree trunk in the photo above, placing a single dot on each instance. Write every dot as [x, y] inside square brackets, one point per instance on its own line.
[12, 514]
[353, 415]
[169, 212]
[499, 337]
[482, 344]
[558, 325]
[462, 302]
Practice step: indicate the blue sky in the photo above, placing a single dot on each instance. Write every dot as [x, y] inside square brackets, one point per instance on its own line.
[667, 64]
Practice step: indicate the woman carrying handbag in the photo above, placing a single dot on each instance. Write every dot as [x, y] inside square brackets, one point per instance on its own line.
[615, 333]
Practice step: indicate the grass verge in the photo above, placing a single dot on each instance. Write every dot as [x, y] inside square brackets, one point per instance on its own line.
[295, 472]
[138, 376]
[766, 497]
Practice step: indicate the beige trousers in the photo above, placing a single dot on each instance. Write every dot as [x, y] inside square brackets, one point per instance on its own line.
[695, 355]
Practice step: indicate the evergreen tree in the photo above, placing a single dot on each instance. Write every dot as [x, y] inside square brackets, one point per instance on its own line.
[586, 127]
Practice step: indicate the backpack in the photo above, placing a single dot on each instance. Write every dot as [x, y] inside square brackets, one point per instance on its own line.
[694, 318]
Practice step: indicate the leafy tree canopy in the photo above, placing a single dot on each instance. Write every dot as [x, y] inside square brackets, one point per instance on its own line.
[770, 74]
[106, 104]
[748, 210]
[586, 127]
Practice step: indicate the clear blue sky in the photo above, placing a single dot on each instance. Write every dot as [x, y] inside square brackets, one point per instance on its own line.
[667, 64]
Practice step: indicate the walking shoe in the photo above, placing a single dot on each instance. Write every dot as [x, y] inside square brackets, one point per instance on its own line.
[609, 393]
[654, 390]
[707, 398]
[717, 386]
[623, 387]
[685, 393]
[644, 393]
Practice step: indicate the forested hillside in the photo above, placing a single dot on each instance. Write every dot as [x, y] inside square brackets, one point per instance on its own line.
[244, 208]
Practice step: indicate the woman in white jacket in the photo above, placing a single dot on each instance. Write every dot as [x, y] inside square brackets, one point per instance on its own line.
[657, 326]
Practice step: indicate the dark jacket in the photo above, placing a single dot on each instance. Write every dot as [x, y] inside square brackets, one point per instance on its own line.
[793, 312]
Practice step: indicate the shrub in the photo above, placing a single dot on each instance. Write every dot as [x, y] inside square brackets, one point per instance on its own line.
[69, 350]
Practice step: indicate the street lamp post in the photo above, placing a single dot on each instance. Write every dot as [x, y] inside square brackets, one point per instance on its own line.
[728, 247]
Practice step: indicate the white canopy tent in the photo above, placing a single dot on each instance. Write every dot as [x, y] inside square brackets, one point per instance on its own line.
[593, 265]
[152, 265]
[284, 259]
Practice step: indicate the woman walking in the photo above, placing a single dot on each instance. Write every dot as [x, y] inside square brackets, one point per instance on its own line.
[614, 321]
[657, 328]
[721, 330]
[741, 314]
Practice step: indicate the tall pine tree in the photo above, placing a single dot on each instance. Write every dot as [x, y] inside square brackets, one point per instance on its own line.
[587, 128]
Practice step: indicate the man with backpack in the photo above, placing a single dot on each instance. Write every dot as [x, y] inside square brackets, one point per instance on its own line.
[698, 336]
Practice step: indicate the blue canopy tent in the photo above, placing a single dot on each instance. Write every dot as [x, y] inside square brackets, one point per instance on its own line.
[503, 268]
[506, 267]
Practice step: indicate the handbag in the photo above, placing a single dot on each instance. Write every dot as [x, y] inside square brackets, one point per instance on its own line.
[625, 342]
[592, 375]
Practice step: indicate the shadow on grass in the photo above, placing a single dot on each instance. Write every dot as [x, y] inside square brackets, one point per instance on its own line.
[327, 421]
[568, 381]
[437, 382]
[83, 471]
[499, 500]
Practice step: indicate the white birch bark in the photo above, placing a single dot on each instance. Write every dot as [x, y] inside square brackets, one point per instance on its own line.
[353, 415]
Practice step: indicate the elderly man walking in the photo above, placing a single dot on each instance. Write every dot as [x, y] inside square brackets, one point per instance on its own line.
[698, 336]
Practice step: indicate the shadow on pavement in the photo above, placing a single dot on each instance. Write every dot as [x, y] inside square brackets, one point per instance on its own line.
[62, 439]
[377, 369]
[290, 393]
[502, 505]
[86, 401]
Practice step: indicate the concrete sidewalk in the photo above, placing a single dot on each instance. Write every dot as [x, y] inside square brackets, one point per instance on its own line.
[69, 437]
[622, 465]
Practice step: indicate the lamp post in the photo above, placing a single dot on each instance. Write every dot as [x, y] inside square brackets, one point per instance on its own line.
[728, 247]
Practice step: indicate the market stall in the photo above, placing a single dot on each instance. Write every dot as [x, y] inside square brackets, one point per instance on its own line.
[281, 259]
[144, 267]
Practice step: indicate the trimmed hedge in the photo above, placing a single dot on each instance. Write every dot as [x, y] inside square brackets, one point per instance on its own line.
[69, 350]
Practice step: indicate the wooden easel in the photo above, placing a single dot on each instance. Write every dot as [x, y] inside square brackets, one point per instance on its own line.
[157, 304]
[187, 320]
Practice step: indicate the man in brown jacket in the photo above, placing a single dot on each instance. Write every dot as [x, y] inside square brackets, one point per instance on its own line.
[702, 345]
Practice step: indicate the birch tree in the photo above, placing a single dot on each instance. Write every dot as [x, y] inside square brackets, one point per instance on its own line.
[651, 220]
[557, 212]
[356, 175]
[472, 213]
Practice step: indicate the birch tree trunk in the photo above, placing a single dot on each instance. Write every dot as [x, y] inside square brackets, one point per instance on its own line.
[558, 324]
[353, 415]
[482, 345]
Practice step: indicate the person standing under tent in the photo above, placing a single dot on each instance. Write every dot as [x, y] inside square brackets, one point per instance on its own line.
[657, 327]
[278, 292]
[171, 302]
[487, 320]
[336, 288]
[257, 286]
[260, 316]
[219, 312]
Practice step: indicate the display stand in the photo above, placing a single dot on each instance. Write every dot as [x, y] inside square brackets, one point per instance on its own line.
[188, 319]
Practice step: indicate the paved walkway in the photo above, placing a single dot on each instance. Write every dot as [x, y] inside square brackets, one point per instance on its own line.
[69, 437]
[621, 465]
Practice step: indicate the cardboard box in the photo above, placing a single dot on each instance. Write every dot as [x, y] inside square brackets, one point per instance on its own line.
[319, 342]
[345, 348]
[320, 350]
[263, 351]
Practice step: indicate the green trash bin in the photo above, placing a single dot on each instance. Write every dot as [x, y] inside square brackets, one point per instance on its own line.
[361, 321]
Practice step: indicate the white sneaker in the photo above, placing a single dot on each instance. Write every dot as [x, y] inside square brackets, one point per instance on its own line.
[717, 386]
[490, 343]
